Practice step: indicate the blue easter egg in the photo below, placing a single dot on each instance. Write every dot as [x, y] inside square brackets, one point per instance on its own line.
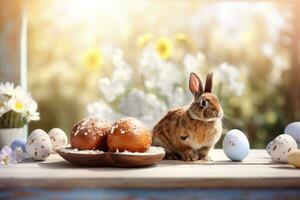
[236, 145]
[18, 143]
[293, 129]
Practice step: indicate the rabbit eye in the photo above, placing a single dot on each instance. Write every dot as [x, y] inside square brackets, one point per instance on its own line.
[183, 137]
[203, 103]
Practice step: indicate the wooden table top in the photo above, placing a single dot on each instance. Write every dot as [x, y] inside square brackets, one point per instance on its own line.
[257, 171]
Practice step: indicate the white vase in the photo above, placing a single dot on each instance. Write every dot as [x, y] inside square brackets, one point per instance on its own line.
[8, 135]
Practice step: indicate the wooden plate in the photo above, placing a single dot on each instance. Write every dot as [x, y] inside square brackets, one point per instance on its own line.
[112, 159]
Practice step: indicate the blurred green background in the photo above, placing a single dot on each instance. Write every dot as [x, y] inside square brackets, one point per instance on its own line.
[117, 58]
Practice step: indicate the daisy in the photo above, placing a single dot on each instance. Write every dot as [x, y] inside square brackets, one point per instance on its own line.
[3, 108]
[31, 108]
[230, 76]
[7, 89]
[17, 102]
[17, 105]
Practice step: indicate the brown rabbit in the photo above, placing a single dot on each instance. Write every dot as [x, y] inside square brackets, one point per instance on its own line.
[190, 132]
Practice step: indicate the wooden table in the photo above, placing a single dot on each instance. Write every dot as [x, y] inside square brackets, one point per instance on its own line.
[256, 172]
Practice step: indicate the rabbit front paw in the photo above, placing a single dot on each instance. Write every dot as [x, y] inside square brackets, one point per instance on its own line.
[189, 156]
[203, 154]
[172, 156]
[207, 159]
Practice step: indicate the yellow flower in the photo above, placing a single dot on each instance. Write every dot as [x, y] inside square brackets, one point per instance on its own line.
[93, 59]
[164, 47]
[181, 37]
[19, 105]
[144, 39]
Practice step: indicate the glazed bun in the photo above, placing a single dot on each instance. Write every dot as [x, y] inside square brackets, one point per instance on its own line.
[129, 134]
[90, 134]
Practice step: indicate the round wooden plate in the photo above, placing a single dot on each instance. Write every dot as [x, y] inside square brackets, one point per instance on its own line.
[112, 159]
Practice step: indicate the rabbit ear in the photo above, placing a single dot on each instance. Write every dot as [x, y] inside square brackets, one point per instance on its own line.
[209, 82]
[195, 85]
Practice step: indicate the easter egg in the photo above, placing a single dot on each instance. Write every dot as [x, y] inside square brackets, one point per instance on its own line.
[294, 158]
[281, 146]
[18, 143]
[236, 145]
[58, 138]
[269, 148]
[293, 129]
[38, 145]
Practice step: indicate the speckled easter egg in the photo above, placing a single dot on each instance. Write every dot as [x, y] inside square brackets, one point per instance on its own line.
[58, 138]
[293, 129]
[281, 146]
[38, 145]
[19, 143]
[269, 148]
[236, 145]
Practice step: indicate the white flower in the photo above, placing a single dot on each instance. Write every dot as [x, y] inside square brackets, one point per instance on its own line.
[3, 110]
[111, 89]
[3, 106]
[157, 73]
[33, 115]
[229, 76]
[122, 71]
[237, 87]
[17, 100]
[227, 73]
[25, 106]
[144, 106]
[6, 92]
[267, 49]
[178, 98]
[102, 111]
[7, 89]
[280, 65]
[17, 105]
[167, 78]
[192, 63]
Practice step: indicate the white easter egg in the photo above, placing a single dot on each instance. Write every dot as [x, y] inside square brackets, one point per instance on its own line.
[58, 138]
[293, 129]
[269, 148]
[236, 145]
[38, 145]
[281, 146]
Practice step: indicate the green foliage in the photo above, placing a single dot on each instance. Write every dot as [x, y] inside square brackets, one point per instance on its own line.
[12, 119]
